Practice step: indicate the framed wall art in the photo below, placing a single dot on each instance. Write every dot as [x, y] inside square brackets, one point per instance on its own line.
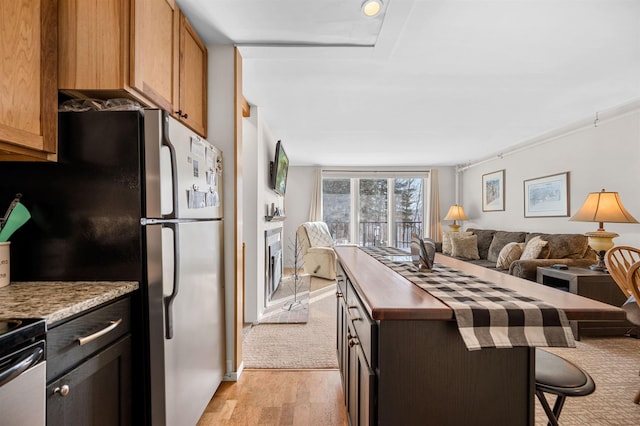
[493, 191]
[547, 196]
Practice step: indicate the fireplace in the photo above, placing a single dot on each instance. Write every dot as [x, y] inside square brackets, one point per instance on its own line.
[273, 261]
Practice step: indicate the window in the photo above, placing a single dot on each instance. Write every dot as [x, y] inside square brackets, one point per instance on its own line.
[336, 208]
[374, 210]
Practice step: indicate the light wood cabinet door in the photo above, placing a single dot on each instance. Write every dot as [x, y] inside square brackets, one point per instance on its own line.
[28, 101]
[154, 49]
[140, 49]
[192, 107]
[90, 45]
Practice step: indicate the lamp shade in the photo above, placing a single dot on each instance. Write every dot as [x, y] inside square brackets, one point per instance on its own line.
[602, 207]
[455, 213]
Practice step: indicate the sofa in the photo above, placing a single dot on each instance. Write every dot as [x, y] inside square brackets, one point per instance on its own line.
[518, 253]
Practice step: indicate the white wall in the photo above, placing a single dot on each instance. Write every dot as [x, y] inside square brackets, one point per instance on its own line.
[221, 119]
[259, 150]
[300, 184]
[606, 156]
[447, 185]
[251, 226]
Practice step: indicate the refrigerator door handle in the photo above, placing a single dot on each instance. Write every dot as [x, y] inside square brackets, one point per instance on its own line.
[168, 300]
[174, 166]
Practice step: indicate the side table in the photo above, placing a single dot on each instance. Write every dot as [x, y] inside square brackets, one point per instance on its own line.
[594, 285]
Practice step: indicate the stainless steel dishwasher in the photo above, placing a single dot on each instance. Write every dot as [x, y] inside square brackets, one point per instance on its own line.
[22, 372]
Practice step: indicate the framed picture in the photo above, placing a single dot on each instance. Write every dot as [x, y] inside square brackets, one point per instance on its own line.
[493, 191]
[547, 196]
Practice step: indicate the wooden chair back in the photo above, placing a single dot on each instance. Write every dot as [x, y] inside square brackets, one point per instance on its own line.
[619, 260]
[633, 278]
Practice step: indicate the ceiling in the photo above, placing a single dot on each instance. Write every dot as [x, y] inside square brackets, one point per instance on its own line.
[440, 82]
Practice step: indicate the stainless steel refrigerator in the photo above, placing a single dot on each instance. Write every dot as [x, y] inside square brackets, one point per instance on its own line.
[136, 195]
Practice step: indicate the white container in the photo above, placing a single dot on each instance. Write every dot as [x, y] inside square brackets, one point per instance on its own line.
[5, 264]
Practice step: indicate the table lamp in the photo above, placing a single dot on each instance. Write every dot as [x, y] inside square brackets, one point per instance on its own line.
[602, 207]
[455, 213]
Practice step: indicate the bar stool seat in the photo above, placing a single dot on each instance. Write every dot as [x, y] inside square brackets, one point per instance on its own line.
[556, 375]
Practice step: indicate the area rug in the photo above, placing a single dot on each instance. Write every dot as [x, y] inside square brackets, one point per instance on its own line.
[614, 363]
[290, 302]
[297, 346]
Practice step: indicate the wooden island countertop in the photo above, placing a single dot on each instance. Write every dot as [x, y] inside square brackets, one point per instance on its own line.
[389, 296]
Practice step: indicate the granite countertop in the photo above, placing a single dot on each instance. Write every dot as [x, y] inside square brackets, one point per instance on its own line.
[57, 300]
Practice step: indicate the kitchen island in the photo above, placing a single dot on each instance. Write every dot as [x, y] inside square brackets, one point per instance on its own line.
[403, 360]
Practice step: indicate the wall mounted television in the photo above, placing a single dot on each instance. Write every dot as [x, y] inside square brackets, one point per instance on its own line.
[279, 170]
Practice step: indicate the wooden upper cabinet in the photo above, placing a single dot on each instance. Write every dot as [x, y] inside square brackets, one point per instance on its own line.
[193, 79]
[154, 49]
[133, 48]
[28, 90]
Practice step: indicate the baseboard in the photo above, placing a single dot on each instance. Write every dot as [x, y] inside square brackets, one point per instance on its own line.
[234, 375]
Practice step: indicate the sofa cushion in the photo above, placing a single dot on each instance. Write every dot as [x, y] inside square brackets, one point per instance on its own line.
[509, 253]
[485, 236]
[567, 246]
[501, 239]
[544, 254]
[465, 247]
[533, 248]
[447, 236]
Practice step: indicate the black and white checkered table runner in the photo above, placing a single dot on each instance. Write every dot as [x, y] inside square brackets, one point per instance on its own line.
[488, 316]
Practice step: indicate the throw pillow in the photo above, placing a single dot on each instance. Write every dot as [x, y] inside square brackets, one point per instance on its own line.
[447, 236]
[500, 239]
[485, 236]
[533, 248]
[509, 253]
[465, 247]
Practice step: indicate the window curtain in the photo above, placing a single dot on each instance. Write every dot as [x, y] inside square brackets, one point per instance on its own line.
[435, 228]
[315, 209]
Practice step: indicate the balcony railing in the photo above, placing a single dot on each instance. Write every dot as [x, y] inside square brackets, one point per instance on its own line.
[375, 233]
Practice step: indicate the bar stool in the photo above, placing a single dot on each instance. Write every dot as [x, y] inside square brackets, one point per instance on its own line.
[560, 377]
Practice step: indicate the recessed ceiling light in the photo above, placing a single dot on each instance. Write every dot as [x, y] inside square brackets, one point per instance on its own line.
[371, 7]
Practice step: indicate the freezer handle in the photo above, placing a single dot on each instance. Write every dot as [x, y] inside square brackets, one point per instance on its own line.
[174, 166]
[168, 300]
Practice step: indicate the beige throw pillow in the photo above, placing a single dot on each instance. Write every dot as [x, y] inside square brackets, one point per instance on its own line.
[465, 247]
[509, 253]
[533, 248]
[447, 236]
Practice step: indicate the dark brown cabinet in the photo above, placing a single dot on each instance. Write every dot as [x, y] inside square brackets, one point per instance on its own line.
[341, 334]
[361, 381]
[356, 350]
[89, 368]
[97, 392]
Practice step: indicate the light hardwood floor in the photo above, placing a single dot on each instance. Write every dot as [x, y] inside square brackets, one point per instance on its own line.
[278, 397]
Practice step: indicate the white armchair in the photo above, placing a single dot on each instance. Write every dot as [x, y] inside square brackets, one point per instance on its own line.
[316, 247]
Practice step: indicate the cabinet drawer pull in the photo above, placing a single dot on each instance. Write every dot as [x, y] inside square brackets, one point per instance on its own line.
[63, 391]
[353, 342]
[88, 339]
[338, 294]
[354, 318]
